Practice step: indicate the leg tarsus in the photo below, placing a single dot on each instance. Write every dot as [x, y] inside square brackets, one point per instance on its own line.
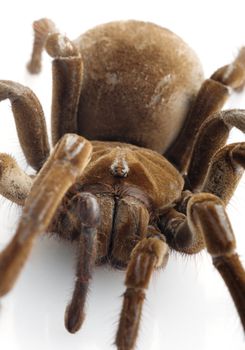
[207, 214]
[42, 28]
[46, 36]
[67, 72]
[133, 300]
[148, 254]
[232, 272]
[233, 74]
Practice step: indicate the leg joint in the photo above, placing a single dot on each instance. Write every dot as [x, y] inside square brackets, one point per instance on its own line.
[206, 213]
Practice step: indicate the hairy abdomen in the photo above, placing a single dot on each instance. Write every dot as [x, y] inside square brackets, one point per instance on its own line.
[139, 82]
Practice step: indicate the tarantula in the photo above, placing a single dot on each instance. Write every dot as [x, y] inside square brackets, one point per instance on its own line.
[158, 177]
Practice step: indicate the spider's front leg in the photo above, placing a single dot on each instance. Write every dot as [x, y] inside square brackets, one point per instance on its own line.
[148, 254]
[206, 224]
[61, 170]
[206, 215]
[29, 120]
[15, 184]
[225, 171]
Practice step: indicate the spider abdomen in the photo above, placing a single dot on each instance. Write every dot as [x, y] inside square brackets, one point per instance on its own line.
[139, 81]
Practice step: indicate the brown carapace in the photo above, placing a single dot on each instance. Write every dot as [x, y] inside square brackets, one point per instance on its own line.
[155, 176]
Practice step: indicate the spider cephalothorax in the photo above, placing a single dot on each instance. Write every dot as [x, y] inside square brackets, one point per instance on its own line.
[125, 180]
[152, 180]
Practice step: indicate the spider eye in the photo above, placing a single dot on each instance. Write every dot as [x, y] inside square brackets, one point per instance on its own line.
[119, 166]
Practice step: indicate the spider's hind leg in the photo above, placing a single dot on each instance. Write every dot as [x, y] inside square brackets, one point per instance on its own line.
[67, 75]
[42, 28]
[210, 99]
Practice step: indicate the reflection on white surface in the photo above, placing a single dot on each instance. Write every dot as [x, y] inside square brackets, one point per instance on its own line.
[187, 306]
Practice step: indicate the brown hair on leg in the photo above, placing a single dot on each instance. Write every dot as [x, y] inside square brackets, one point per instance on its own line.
[67, 72]
[66, 163]
[67, 82]
[150, 253]
[15, 184]
[29, 120]
[42, 28]
[175, 227]
[212, 136]
[206, 214]
[131, 219]
[225, 171]
[67, 75]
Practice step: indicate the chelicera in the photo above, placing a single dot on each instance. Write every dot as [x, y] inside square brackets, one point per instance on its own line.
[139, 164]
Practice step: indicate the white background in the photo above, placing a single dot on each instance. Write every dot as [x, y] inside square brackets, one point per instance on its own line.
[187, 306]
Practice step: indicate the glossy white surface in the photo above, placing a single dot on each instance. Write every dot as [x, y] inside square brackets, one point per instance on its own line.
[187, 306]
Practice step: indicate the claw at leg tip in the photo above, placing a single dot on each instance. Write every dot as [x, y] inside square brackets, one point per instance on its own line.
[73, 319]
[33, 68]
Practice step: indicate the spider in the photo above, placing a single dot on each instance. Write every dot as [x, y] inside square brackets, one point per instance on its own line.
[157, 178]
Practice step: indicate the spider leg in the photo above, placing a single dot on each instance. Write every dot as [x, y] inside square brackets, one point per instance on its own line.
[15, 184]
[42, 28]
[149, 253]
[61, 170]
[210, 99]
[206, 224]
[67, 83]
[29, 120]
[131, 219]
[206, 215]
[88, 212]
[176, 228]
[67, 69]
[225, 171]
[212, 137]
[233, 75]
